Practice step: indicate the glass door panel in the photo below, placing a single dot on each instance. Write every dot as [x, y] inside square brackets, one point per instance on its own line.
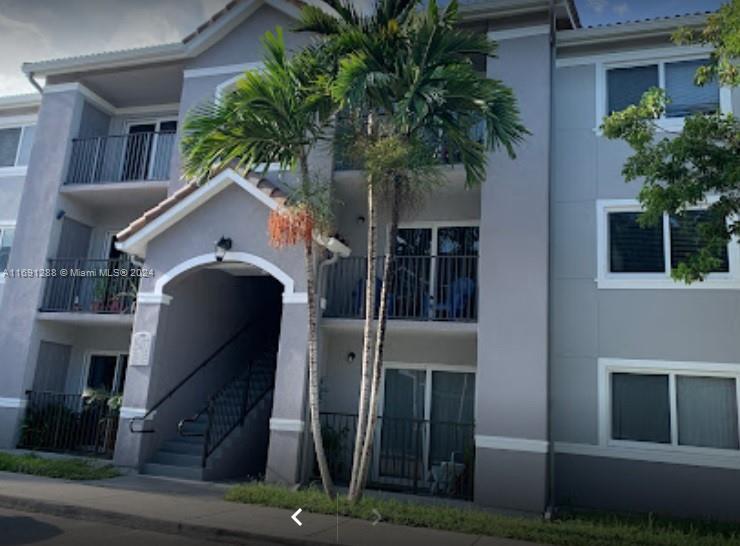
[402, 427]
[410, 293]
[456, 280]
[138, 151]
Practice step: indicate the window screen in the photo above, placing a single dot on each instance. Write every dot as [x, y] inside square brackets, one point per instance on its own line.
[9, 139]
[26, 142]
[707, 412]
[686, 239]
[641, 408]
[625, 86]
[685, 97]
[6, 242]
[632, 248]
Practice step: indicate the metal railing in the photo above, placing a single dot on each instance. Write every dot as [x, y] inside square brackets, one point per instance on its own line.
[121, 158]
[438, 288]
[409, 455]
[71, 423]
[82, 285]
[212, 359]
[229, 407]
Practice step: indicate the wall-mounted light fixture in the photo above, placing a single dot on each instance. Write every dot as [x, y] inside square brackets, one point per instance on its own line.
[351, 357]
[222, 246]
[61, 213]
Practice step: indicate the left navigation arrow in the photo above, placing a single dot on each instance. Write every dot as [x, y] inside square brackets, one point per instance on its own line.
[294, 517]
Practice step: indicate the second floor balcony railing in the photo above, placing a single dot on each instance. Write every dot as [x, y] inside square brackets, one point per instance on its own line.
[80, 285]
[424, 288]
[121, 158]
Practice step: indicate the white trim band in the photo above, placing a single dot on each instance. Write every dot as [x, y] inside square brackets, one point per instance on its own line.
[511, 444]
[731, 460]
[223, 69]
[521, 32]
[295, 297]
[12, 402]
[127, 412]
[287, 425]
[153, 297]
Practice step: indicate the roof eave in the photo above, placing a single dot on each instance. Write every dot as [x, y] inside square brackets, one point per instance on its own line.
[642, 29]
[29, 100]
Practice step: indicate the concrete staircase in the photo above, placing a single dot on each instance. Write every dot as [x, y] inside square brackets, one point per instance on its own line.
[182, 456]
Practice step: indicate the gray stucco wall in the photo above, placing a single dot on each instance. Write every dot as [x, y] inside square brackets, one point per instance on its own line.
[588, 323]
[511, 386]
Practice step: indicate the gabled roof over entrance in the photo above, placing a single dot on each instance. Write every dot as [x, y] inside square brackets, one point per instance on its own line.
[134, 238]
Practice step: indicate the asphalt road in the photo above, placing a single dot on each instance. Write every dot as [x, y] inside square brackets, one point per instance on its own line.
[20, 528]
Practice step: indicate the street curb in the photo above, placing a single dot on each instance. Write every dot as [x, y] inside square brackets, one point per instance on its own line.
[144, 523]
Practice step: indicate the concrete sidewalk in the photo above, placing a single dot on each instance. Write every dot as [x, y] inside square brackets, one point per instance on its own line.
[198, 510]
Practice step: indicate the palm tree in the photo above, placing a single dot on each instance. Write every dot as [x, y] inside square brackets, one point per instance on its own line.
[274, 116]
[342, 31]
[417, 72]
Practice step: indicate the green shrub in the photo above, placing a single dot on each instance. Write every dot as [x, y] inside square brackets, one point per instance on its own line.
[69, 469]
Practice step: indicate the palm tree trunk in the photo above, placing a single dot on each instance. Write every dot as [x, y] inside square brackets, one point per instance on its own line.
[377, 371]
[363, 404]
[313, 373]
[313, 360]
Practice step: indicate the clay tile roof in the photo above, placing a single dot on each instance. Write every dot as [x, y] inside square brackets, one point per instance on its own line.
[264, 185]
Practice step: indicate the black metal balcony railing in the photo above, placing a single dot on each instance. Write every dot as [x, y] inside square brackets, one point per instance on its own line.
[409, 455]
[70, 423]
[437, 288]
[90, 286]
[121, 158]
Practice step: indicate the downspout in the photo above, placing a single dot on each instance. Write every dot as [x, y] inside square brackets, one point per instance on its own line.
[33, 82]
[550, 504]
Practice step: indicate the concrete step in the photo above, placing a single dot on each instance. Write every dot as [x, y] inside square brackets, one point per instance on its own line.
[177, 459]
[184, 448]
[172, 471]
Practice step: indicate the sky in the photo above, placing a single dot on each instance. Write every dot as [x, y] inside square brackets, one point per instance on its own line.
[32, 30]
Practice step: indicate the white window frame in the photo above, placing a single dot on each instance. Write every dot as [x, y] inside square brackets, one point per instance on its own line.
[673, 452]
[22, 123]
[659, 58]
[100, 352]
[605, 279]
[3, 227]
[429, 369]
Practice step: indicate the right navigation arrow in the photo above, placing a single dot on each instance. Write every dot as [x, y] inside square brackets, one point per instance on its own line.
[378, 517]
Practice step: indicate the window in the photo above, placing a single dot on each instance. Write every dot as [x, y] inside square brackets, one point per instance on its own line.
[15, 145]
[682, 405]
[630, 253]
[107, 372]
[625, 85]
[6, 242]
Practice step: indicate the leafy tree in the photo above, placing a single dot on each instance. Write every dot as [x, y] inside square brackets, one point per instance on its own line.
[700, 164]
[275, 116]
[407, 72]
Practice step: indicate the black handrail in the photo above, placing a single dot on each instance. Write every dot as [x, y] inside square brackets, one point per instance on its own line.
[182, 382]
[209, 409]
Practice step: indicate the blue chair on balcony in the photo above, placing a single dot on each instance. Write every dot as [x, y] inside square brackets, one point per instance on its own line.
[460, 299]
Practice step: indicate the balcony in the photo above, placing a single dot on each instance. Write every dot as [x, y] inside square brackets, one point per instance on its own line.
[424, 288]
[135, 157]
[91, 286]
[423, 457]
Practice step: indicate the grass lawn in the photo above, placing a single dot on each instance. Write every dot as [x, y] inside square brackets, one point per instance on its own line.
[586, 530]
[69, 469]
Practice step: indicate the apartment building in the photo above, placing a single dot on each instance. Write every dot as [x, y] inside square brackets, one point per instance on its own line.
[539, 353]
[17, 127]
